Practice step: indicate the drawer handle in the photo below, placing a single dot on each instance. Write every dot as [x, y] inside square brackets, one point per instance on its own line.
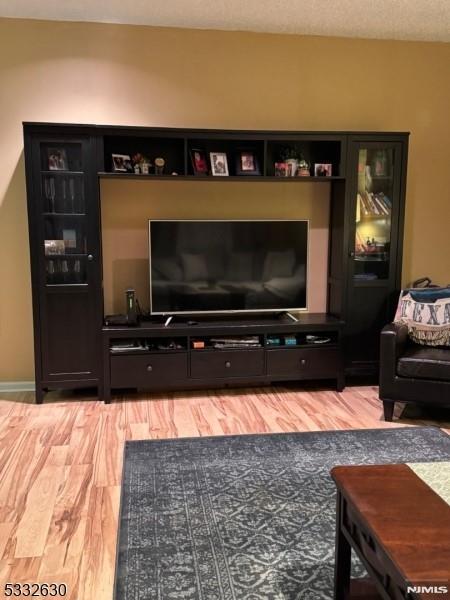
[303, 362]
[149, 368]
[228, 364]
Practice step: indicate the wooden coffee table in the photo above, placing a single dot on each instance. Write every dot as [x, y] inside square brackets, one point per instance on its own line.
[398, 526]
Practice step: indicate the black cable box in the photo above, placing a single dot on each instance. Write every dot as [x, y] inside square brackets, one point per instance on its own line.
[116, 320]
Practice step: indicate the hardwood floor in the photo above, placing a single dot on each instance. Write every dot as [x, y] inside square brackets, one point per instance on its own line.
[61, 465]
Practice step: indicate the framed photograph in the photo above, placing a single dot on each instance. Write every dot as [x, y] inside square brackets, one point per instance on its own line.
[199, 162]
[247, 163]
[322, 169]
[70, 239]
[57, 159]
[121, 163]
[281, 169]
[219, 164]
[54, 247]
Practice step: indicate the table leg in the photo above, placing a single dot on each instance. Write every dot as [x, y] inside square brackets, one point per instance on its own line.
[342, 558]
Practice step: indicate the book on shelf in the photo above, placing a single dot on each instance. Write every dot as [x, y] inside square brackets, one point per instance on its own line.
[367, 207]
[128, 346]
[234, 346]
[373, 204]
[245, 340]
[380, 200]
[250, 341]
[360, 244]
[387, 202]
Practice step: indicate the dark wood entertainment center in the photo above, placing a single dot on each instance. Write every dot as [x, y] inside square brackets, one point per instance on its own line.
[73, 348]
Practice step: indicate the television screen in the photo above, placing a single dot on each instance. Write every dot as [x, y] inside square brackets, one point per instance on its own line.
[221, 266]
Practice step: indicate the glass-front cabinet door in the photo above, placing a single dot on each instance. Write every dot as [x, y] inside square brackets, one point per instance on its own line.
[375, 203]
[65, 259]
[375, 198]
[64, 213]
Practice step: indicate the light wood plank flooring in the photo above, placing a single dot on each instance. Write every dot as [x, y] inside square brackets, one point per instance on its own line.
[61, 465]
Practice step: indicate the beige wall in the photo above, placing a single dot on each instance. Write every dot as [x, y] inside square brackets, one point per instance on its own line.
[71, 72]
[125, 230]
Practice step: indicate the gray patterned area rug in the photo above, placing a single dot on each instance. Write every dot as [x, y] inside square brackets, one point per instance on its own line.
[246, 517]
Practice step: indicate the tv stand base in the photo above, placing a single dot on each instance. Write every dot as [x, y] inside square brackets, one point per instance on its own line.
[221, 353]
[288, 315]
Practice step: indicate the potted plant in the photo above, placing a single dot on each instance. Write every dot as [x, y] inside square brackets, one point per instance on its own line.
[291, 156]
[297, 164]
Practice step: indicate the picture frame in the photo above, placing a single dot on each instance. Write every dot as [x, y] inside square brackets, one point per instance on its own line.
[247, 162]
[219, 164]
[121, 163]
[57, 159]
[70, 239]
[54, 247]
[323, 169]
[281, 169]
[199, 161]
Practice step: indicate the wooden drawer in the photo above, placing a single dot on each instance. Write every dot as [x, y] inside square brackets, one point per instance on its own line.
[303, 363]
[148, 370]
[217, 364]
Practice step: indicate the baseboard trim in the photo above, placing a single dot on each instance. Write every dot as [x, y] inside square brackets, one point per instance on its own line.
[17, 386]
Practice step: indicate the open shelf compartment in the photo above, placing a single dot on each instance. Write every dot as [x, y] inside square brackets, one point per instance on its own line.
[227, 342]
[147, 345]
[302, 339]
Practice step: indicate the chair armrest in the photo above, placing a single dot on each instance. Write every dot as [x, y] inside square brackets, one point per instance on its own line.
[393, 342]
[394, 339]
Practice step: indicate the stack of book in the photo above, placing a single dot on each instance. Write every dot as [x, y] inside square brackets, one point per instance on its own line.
[250, 341]
[374, 205]
[128, 346]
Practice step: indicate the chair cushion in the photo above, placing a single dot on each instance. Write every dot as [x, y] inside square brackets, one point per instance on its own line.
[425, 363]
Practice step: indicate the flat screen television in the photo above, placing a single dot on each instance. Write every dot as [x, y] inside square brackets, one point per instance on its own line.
[227, 266]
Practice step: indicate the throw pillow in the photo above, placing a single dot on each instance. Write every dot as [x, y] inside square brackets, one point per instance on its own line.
[428, 322]
[430, 294]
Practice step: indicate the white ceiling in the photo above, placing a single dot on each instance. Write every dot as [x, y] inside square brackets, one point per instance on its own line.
[389, 19]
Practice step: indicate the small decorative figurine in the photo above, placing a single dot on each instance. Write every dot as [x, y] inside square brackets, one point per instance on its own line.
[141, 164]
[303, 168]
[159, 166]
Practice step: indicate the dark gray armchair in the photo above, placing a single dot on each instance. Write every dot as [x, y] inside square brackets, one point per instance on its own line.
[411, 373]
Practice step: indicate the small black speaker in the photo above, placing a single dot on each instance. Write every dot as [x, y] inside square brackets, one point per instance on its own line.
[132, 317]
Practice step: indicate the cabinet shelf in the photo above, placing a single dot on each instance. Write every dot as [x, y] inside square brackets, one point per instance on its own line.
[373, 217]
[108, 175]
[368, 259]
[289, 346]
[58, 286]
[145, 352]
[65, 256]
[62, 214]
[228, 349]
[376, 283]
[62, 172]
